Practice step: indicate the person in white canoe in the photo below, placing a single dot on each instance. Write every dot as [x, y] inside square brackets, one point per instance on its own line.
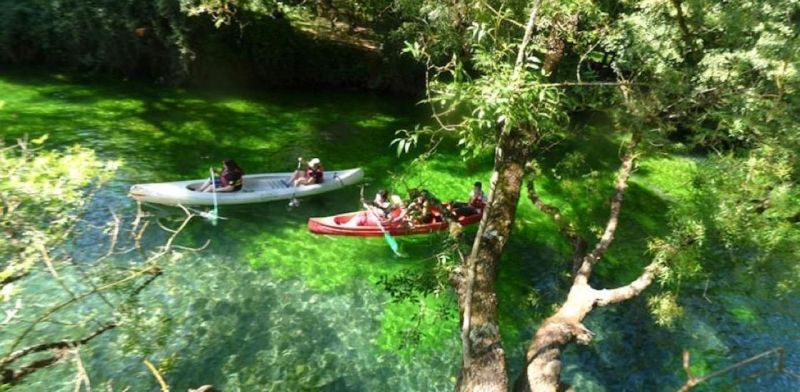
[314, 174]
[229, 180]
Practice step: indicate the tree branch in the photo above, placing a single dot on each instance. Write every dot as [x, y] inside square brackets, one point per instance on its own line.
[525, 40]
[625, 169]
[566, 228]
[12, 279]
[503, 17]
[487, 368]
[624, 293]
[158, 376]
[10, 358]
[692, 381]
[152, 268]
[687, 35]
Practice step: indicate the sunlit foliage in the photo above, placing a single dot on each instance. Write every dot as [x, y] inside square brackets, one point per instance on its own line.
[43, 195]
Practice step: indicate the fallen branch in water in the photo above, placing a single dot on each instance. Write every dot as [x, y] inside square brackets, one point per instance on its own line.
[10, 376]
[157, 375]
[693, 381]
[60, 349]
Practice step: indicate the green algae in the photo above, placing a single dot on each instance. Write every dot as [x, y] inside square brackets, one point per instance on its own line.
[269, 306]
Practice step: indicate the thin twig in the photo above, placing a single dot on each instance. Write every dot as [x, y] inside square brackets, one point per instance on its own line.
[82, 378]
[157, 375]
[503, 17]
[693, 381]
[165, 249]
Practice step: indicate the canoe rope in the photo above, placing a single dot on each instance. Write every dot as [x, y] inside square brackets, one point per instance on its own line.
[336, 177]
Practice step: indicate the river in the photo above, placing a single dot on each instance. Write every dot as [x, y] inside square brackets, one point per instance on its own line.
[268, 306]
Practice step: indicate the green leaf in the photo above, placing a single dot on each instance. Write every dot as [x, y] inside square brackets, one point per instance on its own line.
[40, 139]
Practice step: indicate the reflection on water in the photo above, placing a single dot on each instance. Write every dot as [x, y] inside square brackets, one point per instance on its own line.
[267, 306]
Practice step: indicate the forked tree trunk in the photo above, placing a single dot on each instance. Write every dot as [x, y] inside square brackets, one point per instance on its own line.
[542, 371]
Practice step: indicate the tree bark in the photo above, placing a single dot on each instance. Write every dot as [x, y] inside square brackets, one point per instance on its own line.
[563, 26]
[484, 367]
[10, 376]
[543, 359]
[687, 35]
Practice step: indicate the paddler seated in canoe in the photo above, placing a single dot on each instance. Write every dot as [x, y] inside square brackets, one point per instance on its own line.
[314, 174]
[384, 210]
[382, 203]
[419, 208]
[475, 205]
[229, 180]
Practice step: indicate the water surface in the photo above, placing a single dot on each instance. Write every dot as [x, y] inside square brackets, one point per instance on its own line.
[268, 306]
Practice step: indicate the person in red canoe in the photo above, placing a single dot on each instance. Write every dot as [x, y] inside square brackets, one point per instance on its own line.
[475, 205]
[229, 180]
[422, 208]
[382, 204]
[314, 174]
[384, 210]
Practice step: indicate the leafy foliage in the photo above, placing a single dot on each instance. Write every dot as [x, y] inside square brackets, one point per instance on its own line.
[122, 37]
[43, 195]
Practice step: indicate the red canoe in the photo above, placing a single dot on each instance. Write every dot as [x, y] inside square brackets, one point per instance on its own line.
[333, 225]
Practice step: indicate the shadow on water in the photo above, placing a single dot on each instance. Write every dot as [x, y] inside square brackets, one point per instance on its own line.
[177, 130]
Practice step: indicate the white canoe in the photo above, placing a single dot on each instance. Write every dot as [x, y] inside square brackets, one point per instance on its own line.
[256, 188]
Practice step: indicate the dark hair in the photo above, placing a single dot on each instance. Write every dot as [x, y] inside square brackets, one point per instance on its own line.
[478, 184]
[384, 194]
[232, 166]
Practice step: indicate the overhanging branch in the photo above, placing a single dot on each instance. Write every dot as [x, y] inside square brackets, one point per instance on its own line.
[566, 228]
[624, 293]
[10, 376]
[620, 185]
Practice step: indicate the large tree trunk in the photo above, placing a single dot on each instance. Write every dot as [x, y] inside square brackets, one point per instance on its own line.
[484, 367]
[483, 359]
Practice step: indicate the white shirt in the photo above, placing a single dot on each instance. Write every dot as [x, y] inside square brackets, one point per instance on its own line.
[384, 204]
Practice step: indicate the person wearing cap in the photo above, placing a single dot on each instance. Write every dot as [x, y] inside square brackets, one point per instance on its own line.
[314, 174]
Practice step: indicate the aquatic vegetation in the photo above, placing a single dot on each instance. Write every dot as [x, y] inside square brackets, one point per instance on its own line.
[269, 306]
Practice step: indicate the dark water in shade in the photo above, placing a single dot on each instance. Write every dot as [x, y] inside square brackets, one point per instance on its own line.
[267, 306]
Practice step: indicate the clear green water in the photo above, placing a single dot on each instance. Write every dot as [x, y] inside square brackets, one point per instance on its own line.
[267, 306]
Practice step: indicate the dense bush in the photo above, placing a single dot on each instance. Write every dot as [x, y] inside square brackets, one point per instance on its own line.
[126, 37]
[179, 41]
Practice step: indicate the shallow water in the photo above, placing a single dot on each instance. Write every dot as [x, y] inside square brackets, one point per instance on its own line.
[268, 306]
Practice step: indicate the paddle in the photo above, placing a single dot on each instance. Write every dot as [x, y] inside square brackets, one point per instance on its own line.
[213, 216]
[293, 202]
[388, 237]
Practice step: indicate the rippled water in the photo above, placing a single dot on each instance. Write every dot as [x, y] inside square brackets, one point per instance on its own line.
[267, 306]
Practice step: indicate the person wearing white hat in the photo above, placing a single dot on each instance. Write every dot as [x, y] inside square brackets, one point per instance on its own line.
[314, 174]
